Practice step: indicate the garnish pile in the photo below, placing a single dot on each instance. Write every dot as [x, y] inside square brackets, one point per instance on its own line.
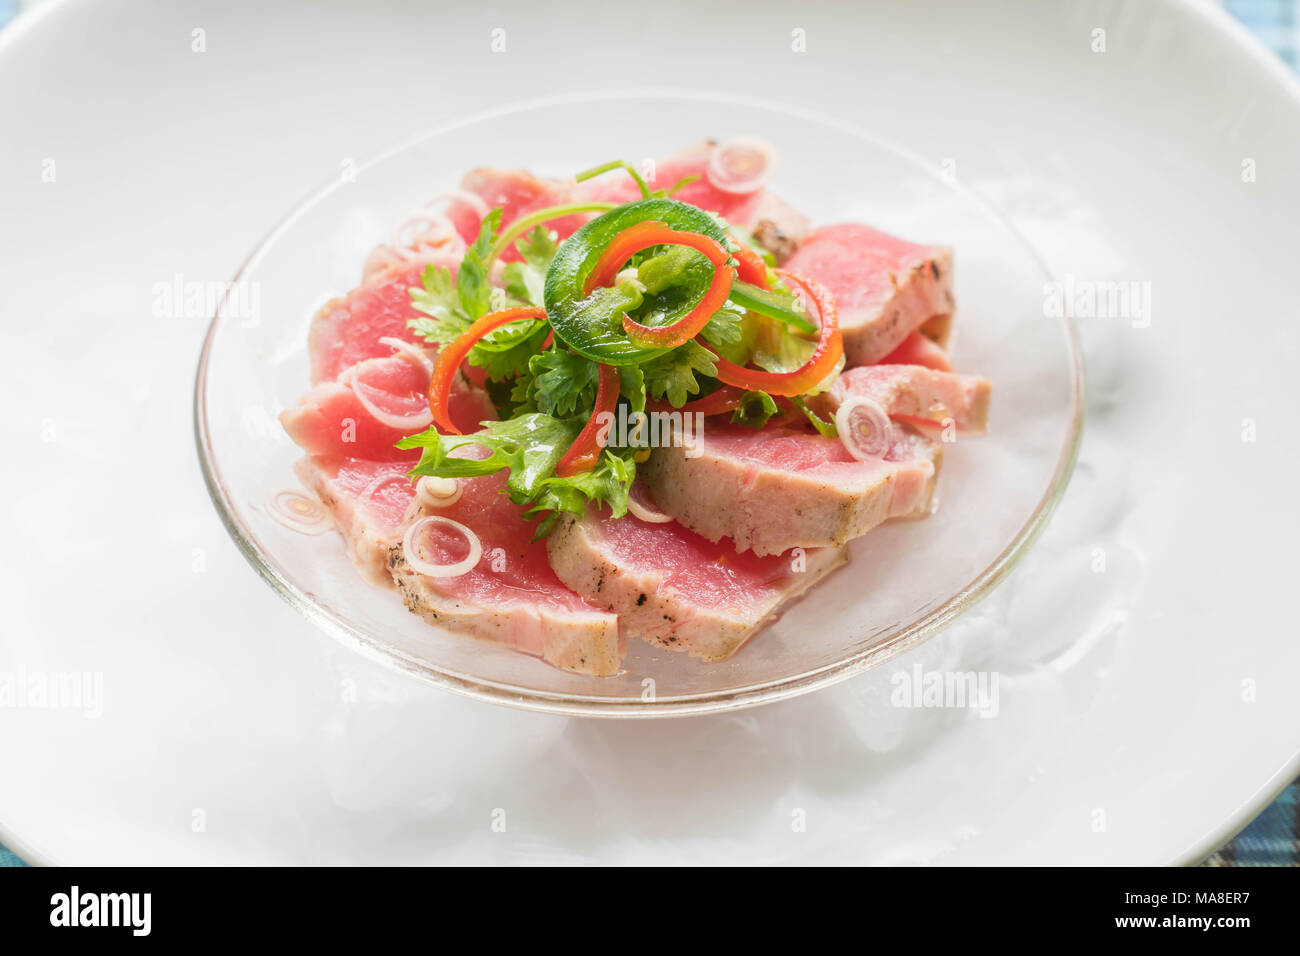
[654, 304]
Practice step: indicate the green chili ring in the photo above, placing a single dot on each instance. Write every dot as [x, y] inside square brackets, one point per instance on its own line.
[592, 325]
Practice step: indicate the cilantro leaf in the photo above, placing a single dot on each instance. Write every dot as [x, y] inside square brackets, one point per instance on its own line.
[472, 279]
[450, 305]
[507, 351]
[524, 283]
[823, 426]
[529, 446]
[607, 483]
[444, 320]
[673, 374]
[732, 333]
[631, 386]
[723, 329]
[755, 409]
[522, 398]
[538, 248]
[564, 383]
[526, 280]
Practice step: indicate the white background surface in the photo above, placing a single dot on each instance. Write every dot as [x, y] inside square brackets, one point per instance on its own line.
[1122, 692]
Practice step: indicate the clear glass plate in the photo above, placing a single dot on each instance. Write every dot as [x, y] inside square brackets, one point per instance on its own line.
[904, 581]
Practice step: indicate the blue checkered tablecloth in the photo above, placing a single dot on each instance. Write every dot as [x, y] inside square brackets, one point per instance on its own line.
[1276, 22]
[1273, 837]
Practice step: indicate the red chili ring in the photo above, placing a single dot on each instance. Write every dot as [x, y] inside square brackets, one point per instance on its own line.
[830, 346]
[751, 268]
[642, 236]
[585, 450]
[452, 354]
[725, 399]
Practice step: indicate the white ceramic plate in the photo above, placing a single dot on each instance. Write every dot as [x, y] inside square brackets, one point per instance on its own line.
[1142, 650]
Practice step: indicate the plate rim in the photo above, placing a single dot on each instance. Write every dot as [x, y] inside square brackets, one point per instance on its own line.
[1216, 18]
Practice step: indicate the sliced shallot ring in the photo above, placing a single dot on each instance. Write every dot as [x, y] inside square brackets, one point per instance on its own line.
[415, 421]
[864, 428]
[644, 511]
[434, 214]
[408, 348]
[378, 482]
[298, 512]
[741, 165]
[424, 227]
[473, 200]
[420, 566]
[381, 258]
[434, 492]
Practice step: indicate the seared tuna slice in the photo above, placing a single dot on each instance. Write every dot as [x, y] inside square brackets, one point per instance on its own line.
[511, 596]
[884, 287]
[673, 588]
[779, 227]
[374, 404]
[919, 349]
[739, 209]
[347, 330]
[914, 394]
[518, 193]
[368, 501]
[773, 489]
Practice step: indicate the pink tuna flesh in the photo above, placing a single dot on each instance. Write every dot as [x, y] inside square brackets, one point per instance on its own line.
[884, 287]
[512, 596]
[332, 419]
[368, 501]
[919, 349]
[347, 330]
[914, 394]
[673, 587]
[519, 193]
[740, 209]
[773, 489]
[514, 571]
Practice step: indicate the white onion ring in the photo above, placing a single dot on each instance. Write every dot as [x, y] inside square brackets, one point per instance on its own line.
[420, 566]
[429, 230]
[446, 253]
[380, 481]
[413, 422]
[473, 200]
[297, 512]
[434, 492]
[408, 348]
[646, 512]
[381, 258]
[864, 428]
[741, 165]
[425, 227]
